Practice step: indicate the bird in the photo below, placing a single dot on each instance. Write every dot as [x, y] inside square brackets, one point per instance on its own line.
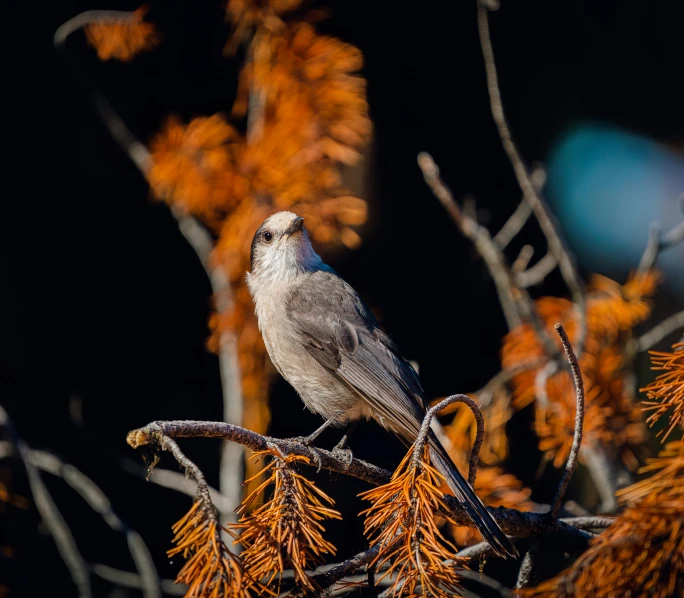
[325, 341]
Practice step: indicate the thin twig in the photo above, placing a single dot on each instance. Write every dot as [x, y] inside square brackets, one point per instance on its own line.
[527, 566]
[513, 225]
[536, 274]
[522, 213]
[479, 235]
[479, 438]
[658, 333]
[98, 502]
[523, 259]
[658, 242]
[231, 468]
[603, 474]
[50, 514]
[487, 392]
[579, 421]
[126, 579]
[516, 303]
[173, 480]
[532, 196]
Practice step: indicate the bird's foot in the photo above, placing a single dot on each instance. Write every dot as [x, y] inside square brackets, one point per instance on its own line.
[309, 440]
[344, 454]
[305, 440]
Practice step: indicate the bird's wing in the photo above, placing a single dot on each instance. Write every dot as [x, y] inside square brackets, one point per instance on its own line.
[339, 331]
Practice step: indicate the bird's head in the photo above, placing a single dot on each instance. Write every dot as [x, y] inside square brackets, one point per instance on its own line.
[281, 250]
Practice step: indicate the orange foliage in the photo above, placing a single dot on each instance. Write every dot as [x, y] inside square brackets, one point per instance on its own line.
[315, 74]
[642, 553]
[667, 470]
[286, 531]
[122, 38]
[308, 115]
[402, 522]
[211, 570]
[193, 167]
[666, 392]
[611, 416]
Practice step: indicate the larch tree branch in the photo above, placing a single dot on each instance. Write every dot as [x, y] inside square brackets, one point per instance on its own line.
[557, 248]
[201, 241]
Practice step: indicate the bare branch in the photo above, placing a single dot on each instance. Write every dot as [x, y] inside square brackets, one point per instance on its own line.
[527, 566]
[486, 393]
[602, 472]
[522, 260]
[579, 421]
[338, 572]
[479, 438]
[513, 225]
[530, 194]
[537, 273]
[98, 502]
[658, 242]
[515, 302]
[231, 474]
[126, 579]
[522, 213]
[657, 333]
[160, 433]
[50, 514]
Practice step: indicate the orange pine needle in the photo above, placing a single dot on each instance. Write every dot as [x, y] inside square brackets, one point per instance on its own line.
[666, 392]
[211, 569]
[402, 521]
[642, 553]
[611, 416]
[287, 531]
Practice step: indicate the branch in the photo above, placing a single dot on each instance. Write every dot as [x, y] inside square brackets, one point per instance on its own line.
[579, 421]
[161, 433]
[153, 432]
[479, 438]
[173, 480]
[659, 332]
[527, 566]
[486, 393]
[521, 215]
[513, 225]
[531, 195]
[536, 274]
[230, 475]
[657, 242]
[580, 523]
[98, 502]
[479, 235]
[515, 302]
[126, 579]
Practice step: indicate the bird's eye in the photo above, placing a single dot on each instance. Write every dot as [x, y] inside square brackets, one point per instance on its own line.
[268, 237]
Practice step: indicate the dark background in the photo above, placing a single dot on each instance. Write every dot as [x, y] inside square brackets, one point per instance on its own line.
[103, 306]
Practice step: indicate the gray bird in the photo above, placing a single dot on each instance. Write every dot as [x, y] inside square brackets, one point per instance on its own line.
[327, 344]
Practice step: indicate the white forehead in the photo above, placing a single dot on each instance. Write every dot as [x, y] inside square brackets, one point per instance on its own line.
[280, 220]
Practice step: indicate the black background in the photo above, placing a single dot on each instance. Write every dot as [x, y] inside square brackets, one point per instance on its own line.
[103, 306]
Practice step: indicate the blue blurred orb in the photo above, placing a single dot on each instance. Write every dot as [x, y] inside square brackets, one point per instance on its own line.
[606, 186]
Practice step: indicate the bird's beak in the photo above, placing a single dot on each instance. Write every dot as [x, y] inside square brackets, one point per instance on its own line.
[295, 227]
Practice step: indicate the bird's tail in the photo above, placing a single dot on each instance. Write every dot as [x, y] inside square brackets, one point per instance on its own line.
[466, 496]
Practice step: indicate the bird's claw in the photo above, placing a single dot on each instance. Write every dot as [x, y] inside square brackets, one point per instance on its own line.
[305, 440]
[344, 454]
[316, 458]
